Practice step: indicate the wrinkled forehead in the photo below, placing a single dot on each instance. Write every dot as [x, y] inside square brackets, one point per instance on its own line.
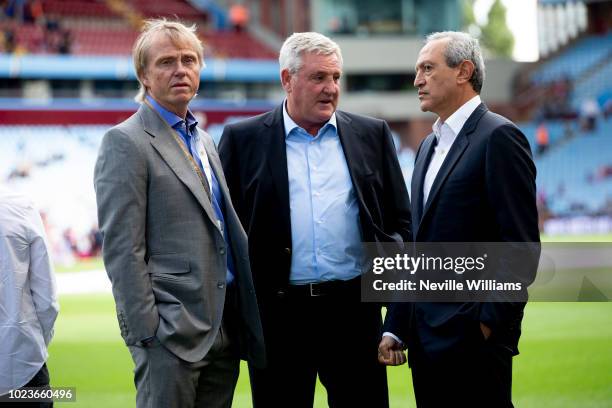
[433, 51]
[162, 39]
[316, 60]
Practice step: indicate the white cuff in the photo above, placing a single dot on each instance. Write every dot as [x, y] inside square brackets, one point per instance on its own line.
[394, 337]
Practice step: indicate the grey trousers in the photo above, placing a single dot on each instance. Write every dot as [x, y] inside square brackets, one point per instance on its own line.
[165, 381]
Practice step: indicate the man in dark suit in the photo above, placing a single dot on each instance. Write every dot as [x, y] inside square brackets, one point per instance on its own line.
[310, 184]
[474, 181]
[174, 248]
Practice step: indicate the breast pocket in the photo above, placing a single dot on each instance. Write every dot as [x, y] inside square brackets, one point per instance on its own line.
[167, 198]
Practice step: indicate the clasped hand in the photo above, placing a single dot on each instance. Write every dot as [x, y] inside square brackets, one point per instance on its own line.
[391, 352]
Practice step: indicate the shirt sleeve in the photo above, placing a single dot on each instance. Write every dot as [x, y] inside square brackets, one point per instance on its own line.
[42, 280]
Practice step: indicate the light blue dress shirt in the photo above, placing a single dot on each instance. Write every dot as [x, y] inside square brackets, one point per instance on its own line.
[325, 229]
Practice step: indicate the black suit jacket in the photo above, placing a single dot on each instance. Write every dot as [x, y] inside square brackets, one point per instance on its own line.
[254, 159]
[484, 192]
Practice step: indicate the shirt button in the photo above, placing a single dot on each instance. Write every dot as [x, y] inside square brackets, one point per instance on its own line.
[281, 293]
[220, 285]
[222, 251]
[287, 251]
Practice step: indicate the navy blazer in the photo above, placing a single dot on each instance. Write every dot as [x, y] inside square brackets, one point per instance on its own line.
[485, 191]
[253, 154]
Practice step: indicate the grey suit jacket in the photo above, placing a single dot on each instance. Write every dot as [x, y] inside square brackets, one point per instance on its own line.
[163, 249]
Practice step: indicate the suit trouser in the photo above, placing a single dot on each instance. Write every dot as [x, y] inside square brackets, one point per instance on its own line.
[165, 381]
[334, 336]
[477, 375]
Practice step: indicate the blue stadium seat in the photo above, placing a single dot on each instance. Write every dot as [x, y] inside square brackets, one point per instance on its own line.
[575, 60]
[568, 175]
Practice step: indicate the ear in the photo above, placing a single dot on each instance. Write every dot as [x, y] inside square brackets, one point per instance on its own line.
[144, 78]
[286, 80]
[466, 69]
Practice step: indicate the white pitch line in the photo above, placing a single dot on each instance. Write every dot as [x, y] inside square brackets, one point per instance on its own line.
[83, 282]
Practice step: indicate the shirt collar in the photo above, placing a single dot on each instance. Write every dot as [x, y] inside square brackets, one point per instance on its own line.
[456, 121]
[172, 119]
[290, 124]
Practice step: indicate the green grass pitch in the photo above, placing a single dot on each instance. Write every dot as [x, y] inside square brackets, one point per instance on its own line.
[565, 361]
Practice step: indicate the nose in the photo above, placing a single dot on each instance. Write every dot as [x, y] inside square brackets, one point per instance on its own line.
[419, 80]
[331, 87]
[180, 69]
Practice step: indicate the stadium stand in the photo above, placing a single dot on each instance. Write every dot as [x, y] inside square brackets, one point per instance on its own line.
[575, 171]
[85, 8]
[54, 166]
[596, 85]
[237, 45]
[557, 131]
[241, 79]
[574, 177]
[181, 9]
[109, 28]
[576, 60]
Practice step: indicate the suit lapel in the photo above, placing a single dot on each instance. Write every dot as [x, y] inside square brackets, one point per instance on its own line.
[351, 141]
[351, 138]
[215, 164]
[163, 141]
[418, 178]
[213, 159]
[275, 155]
[449, 162]
[456, 151]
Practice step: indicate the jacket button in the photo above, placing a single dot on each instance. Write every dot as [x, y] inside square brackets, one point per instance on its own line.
[281, 293]
[287, 251]
[220, 285]
[222, 251]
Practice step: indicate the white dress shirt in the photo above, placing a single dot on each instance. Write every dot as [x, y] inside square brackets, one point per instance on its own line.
[446, 133]
[28, 295]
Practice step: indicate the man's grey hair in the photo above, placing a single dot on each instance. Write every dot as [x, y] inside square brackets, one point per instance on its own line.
[178, 33]
[290, 56]
[461, 47]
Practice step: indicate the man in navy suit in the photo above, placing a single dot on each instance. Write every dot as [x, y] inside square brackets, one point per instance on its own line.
[474, 181]
[310, 183]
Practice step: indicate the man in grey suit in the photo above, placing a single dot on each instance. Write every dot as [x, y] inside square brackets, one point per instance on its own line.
[174, 248]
